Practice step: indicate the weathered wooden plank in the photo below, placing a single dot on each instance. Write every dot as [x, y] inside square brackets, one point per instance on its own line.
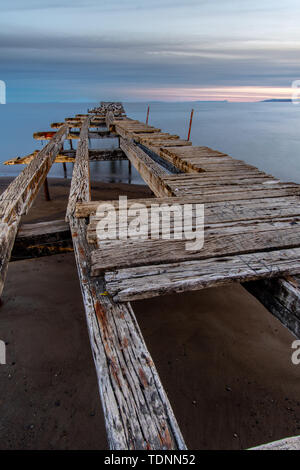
[127, 132]
[80, 184]
[77, 124]
[289, 443]
[281, 297]
[155, 280]
[214, 214]
[137, 412]
[154, 136]
[197, 159]
[17, 199]
[87, 209]
[149, 170]
[136, 409]
[74, 135]
[234, 191]
[68, 156]
[222, 239]
[42, 239]
[110, 121]
[178, 143]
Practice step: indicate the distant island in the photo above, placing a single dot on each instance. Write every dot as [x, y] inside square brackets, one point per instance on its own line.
[280, 100]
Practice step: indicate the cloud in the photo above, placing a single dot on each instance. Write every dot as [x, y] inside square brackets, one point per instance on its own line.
[133, 45]
[104, 5]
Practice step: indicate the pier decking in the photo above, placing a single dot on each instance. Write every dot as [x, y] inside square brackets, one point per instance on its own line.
[251, 235]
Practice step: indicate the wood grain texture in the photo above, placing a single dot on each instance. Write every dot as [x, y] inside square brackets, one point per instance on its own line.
[137, 412]
[80, 184]
[281, 297]
[68, 156]
[222, 239]
[152, 173]
[42, 239]
[47, 135]
[156, 280]
[215, 213]
[290, 443]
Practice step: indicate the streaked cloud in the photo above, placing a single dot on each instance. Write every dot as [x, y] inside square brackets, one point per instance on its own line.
[138, 46]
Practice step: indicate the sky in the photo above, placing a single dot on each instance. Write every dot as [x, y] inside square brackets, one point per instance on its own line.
[138, 50]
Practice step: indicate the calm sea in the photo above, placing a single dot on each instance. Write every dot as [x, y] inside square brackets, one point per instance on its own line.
[266, 135]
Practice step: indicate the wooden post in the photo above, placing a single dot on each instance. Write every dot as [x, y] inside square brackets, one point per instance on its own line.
[148, 110]
[129, 171]
[190, 126]
[46, 190]
[65, 169]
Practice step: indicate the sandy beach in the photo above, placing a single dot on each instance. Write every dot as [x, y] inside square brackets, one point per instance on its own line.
[223, 359]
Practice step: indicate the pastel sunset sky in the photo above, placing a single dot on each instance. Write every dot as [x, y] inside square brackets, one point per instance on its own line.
[137, 50]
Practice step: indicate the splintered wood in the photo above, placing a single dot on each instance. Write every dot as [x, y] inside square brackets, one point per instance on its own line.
[249, 215]
[136, 408]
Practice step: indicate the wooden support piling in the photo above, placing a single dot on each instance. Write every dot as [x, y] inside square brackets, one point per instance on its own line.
[46, 190]
[190, 125]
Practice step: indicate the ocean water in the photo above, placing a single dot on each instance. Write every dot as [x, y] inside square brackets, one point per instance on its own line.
[266, 135]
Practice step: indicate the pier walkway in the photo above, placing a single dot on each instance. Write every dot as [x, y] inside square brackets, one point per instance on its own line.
[251, 236]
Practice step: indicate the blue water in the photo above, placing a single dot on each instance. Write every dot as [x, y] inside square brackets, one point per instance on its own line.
[266, 135]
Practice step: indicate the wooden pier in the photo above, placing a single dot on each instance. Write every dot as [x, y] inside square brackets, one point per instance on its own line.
[251, 236]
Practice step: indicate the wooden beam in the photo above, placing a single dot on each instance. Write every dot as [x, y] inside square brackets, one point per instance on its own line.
[80, 185]
[223, 239]
[20, 194]
[263, 205]
[128, 284]
[110, 121]
[152, 173]
[77, 124]
[281, 297]
[68, 156]
[137, 412]
[42, 239]
[269, 210]
[289, 443]
[74, 135]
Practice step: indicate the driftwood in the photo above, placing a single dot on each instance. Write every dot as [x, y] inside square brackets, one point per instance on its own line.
[20, 194]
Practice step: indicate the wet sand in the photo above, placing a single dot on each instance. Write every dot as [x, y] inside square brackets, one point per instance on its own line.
[223, 359]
